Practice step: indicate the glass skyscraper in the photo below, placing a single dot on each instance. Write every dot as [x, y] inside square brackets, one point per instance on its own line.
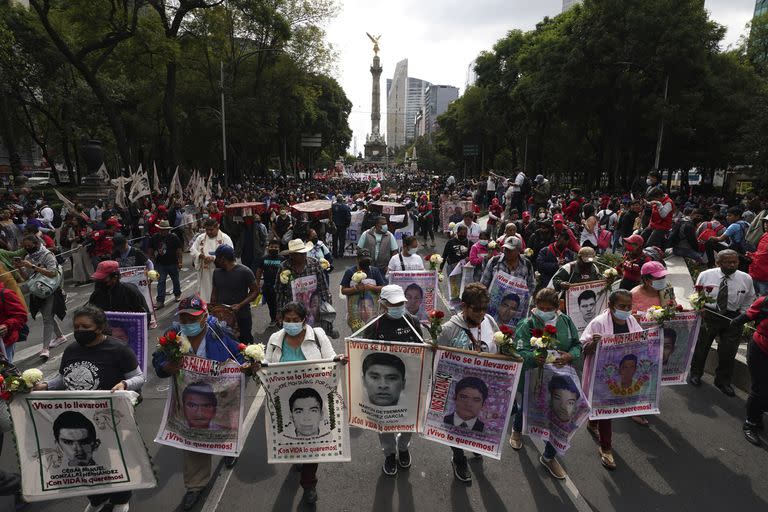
[761, 7]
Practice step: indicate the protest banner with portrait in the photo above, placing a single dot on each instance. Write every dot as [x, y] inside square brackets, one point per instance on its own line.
[420, 288]
[584, 301]
[75, 443]
[509, 299]
[307, 421]
[554, 405]
[625, 376]
[354, 231]
[470, 400]
[304, 291]
[452, 208]
[362, 307]
[138, 277]
[387, 383]
[678, 342]
[204, 408]
[132, 329]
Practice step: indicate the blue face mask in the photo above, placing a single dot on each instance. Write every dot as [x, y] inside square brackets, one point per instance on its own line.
[547, 315]
[384, 228]
[293, 328]
[659, 284]
[483, 242]
[396, 311]
[622, 315]
[191, 330]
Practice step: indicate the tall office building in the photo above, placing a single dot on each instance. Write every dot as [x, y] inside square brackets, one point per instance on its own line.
[436, 101]
[471, 75]
[405, 97]
[761, 7]
[567, 4]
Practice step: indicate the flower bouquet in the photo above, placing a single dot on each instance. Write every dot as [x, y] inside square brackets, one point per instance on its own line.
[153, 275]
[358, 277]
[528, 252]
[492, 245]
[542, 341]
[504, 339]
[661, 314]
[699, 298]
[286, 276]
[324, 264]
[434, 260]
[173, 345]
[11, 383]
[435, 323]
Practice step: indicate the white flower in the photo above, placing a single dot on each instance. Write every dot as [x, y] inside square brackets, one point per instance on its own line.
[436, 259]
[452, 226]
[358, 276]
[528, 252]
[324, 264]
[285, 276]
[498, 337]
[32, 376]
[610, 273]
[492, 246]
[255, 352]
[654, 313]
[440, 277]
[153, 275]
[184, 345]
[538, 342]
[551, 358]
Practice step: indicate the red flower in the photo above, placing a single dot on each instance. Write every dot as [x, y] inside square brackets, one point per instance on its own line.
[426, 258]
[6, 395]
[241, 347]
[507, 330]
[163, 340]
[670, 302]
[679, 307]
[709, 288]
[171, 335]
[436, 314]
[2, 379]
[550, 329]
[537, 333]
[699, 288]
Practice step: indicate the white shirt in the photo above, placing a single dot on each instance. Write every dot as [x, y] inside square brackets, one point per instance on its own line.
[458, 422]
[741, 290]
[518, 183]
[473, 230]
[491, 185]
[412, 262]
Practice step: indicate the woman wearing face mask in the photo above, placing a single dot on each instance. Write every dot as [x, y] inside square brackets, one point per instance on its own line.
[617, 320]
[97, 362]
[654, 290]
[479, 254]
[568, 352]
[297, 341]
[207, 339]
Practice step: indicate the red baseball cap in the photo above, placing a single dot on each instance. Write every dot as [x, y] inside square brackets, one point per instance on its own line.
[558, 217]
[634, 240]
[193, 305]
[526, 215]
[113, 222]
[105, 269]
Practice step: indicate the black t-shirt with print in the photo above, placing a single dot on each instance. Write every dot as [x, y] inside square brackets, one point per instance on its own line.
[97, 368]
[271, 266]
[165, 246]
[391, 329]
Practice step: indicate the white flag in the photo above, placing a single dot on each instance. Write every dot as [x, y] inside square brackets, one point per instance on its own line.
[176, 184]
[102, 173]
[69, 204]
[140, 186]
[120, 198]
[156, 180]
[220, 191]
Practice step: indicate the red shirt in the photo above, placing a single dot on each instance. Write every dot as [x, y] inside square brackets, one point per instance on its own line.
[631, 267]
[755, 312]
[758, 269]
[12, 314]
[659, 222]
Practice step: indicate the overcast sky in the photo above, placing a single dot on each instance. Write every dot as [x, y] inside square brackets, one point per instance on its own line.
[440, 38]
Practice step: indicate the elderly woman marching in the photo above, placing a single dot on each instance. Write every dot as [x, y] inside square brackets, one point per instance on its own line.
[569, 352]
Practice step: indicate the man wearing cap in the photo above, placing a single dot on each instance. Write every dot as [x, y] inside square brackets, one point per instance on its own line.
[662, 212]
[558, 222]
[201, 251]
[129, 256]
[572, 206]
[511, 262]
[165, 251]
[299, 264]
[395, 324]
[633, 261]
[380, 243]
[207, 339]
[110, 294]
[580, 271]
[542, 191]
[342, 218]
[551, 258]
[235, 285]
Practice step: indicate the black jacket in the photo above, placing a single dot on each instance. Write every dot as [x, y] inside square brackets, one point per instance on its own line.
[124, 297]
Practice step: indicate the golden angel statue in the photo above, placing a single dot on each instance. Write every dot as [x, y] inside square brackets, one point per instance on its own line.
[375, 42]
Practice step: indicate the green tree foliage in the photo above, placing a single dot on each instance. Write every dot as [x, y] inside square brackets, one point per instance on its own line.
[584, 93]
[144, 76]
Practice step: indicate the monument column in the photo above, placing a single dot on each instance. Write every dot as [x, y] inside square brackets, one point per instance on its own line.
[375, 146]
[376, 70]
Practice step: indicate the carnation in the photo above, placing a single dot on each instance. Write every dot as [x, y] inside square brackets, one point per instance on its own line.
[324, 264]
[255, 352]
[153, 275]
[359, 276]
[185, 346]
[498, 337]
[32, 376]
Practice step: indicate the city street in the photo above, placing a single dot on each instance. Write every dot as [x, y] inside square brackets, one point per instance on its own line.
[692, 457]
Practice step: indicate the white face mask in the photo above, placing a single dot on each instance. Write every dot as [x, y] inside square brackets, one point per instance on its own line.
[659, 284]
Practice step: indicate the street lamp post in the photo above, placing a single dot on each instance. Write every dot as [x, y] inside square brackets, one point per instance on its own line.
[224, 128]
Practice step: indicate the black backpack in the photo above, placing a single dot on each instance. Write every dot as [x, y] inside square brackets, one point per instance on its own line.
[57, 220]
[606, 218]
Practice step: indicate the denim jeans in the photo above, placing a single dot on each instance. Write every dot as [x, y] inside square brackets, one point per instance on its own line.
[517, 426]
[761, 287]
[165, 271]
[697, 256]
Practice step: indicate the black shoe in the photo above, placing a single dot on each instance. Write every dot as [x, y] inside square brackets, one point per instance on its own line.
[390, 465]
[297, 467]
[477, 456]
[334, 334]
[404, 459]
[229, 462]
[751, 434]
[310, 496]
[461, 470]
[695, 381]
[190, 499]
[727, 389]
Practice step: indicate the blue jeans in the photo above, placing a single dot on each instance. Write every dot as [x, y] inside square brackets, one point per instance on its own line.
[761, 288]
[517, 426]
[697, 256]
[9, 351]
[165, 271]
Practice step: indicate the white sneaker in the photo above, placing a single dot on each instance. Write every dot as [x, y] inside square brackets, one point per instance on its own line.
[123, 507]
[96, 508]
[58, 341]
[45, 354]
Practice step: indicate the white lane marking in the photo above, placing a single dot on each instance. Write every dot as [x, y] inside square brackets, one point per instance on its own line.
[220, 485]
[573, 492]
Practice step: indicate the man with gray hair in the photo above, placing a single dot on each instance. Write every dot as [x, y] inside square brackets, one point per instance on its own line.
[732, 292]
[511, 262]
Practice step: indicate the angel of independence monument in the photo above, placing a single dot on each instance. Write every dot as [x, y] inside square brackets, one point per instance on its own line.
[375, 145]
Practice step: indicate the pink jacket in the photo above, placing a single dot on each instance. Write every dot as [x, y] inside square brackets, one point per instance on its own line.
[476, 253]
[601, 324]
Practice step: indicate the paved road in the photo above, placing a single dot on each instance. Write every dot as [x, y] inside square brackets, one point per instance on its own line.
[692, 457]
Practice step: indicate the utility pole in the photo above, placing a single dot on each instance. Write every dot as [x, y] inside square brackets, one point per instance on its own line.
[224, 128]
[661, 128]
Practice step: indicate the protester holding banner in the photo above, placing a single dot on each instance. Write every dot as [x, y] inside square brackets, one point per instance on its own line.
[97, 361]
[407, 258]
[110, 294]
[580, 271]
[207, 339]
[617, 320]
[297, 266]
[456, 249]
[544, 317]
[128, 256]
[472, 330]
[394, 325]
[297, 341]
[480, 253]
[510, 262]
[552, 257]
[654, 290]
[380, 243]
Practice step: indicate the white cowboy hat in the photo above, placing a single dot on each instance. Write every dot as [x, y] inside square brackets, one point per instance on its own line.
[297, 246]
